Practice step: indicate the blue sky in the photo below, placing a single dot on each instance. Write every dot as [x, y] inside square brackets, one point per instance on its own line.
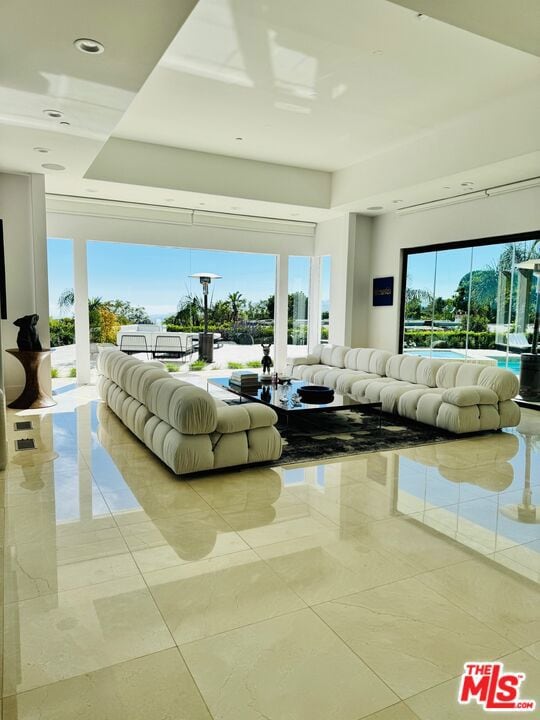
[452, 265]
[157, 277]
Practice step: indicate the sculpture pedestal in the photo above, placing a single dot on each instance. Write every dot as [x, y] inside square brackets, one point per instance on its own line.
[33, 396]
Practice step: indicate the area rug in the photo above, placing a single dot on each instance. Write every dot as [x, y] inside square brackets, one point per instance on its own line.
[332, 435]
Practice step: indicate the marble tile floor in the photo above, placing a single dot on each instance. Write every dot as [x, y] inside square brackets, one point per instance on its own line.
[348, 589]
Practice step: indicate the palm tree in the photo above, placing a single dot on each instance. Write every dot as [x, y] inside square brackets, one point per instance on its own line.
[237, 302]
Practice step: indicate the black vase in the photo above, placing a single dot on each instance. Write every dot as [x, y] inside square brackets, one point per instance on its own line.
[530, 377]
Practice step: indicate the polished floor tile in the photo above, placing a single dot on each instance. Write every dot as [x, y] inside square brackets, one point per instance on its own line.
[63, 635]
[501, 600]
[293, 666]
[395, 712]
[209, 597]
[156, 686]
[328, 566]
[351, 588]
[190, 537]
[410, 636]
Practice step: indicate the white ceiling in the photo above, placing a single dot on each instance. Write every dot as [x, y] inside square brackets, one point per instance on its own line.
[40, 69]
[395, 107]
[314, 83]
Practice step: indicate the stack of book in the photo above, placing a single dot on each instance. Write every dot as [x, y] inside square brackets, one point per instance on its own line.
[245, 380]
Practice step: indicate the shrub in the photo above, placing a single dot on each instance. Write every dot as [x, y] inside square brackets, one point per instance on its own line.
[235, 365]
[62, 331]
[72, 372]
[54, 373]
[451, 338]
[171, 367]
[198, 365]
[253, 364]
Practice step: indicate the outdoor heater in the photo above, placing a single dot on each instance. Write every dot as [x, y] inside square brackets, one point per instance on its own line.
[206, 339]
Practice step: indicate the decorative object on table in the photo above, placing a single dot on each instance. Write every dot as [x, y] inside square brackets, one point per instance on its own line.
[266, 361]
[316, 394]
[530, 362]
[33, 395]
[383, 291]
[245, 380]
[206, 339]
[266, 394]
[27, 337]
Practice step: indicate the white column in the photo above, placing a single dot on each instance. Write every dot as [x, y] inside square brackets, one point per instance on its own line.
[314, 305]
[82, 325]
[281, 310]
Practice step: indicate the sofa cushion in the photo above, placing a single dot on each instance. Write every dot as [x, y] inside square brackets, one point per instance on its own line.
[334, 355]
[403, 367]
[426, 372]
[501, 381]
[187, 408]
[377, 362]
[470, 395]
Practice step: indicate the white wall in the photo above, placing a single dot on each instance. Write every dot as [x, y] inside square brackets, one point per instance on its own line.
[347, 239]
[513, 212]
[22, 209]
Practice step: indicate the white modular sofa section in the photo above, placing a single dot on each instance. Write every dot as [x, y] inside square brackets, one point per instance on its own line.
[338, 367]
[454, 396]
[182, 424]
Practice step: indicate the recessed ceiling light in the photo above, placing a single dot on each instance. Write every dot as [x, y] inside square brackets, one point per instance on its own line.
[64, 122]
[239, 138]
[376, 52]
[467, 184]
[54, 113]
[89, 46]
[202, 203]
[53, 166]
[397, 201]
[169, 199]
[421, 16]
[447, 187]
[91, 190]
[375, 207]
[41, 149]
[235, 207]
[295, 214]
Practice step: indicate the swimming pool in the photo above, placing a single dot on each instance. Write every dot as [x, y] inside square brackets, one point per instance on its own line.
[436, 353]
[514, 364]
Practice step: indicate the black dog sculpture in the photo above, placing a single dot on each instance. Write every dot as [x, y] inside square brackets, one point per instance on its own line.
[28, 338]
[266, 361]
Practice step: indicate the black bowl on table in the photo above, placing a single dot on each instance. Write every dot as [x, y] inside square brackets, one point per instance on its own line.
[316, 394]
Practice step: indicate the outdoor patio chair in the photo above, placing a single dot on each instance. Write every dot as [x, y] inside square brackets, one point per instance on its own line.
[168, 346]
[132, 344]
[518, 342]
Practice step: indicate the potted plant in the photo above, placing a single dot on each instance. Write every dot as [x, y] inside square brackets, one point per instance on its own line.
[530, 362]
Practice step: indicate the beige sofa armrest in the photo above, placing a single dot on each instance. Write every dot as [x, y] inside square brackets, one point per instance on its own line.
[303, 360]
[468, 395]
[242, 417]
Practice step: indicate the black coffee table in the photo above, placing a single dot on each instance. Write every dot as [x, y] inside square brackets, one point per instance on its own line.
[271, 395]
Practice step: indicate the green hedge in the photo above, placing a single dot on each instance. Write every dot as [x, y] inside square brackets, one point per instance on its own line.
[450, 339]
[62, 331]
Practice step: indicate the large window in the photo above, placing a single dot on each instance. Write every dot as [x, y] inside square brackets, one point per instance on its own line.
[324, 296]
[299, 278]
[473, 300]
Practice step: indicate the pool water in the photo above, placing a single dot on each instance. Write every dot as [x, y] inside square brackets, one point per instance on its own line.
[436, 353]
[514, 363]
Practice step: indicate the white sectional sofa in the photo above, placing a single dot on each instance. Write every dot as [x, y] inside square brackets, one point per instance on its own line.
[182, 424]
[451, 395]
